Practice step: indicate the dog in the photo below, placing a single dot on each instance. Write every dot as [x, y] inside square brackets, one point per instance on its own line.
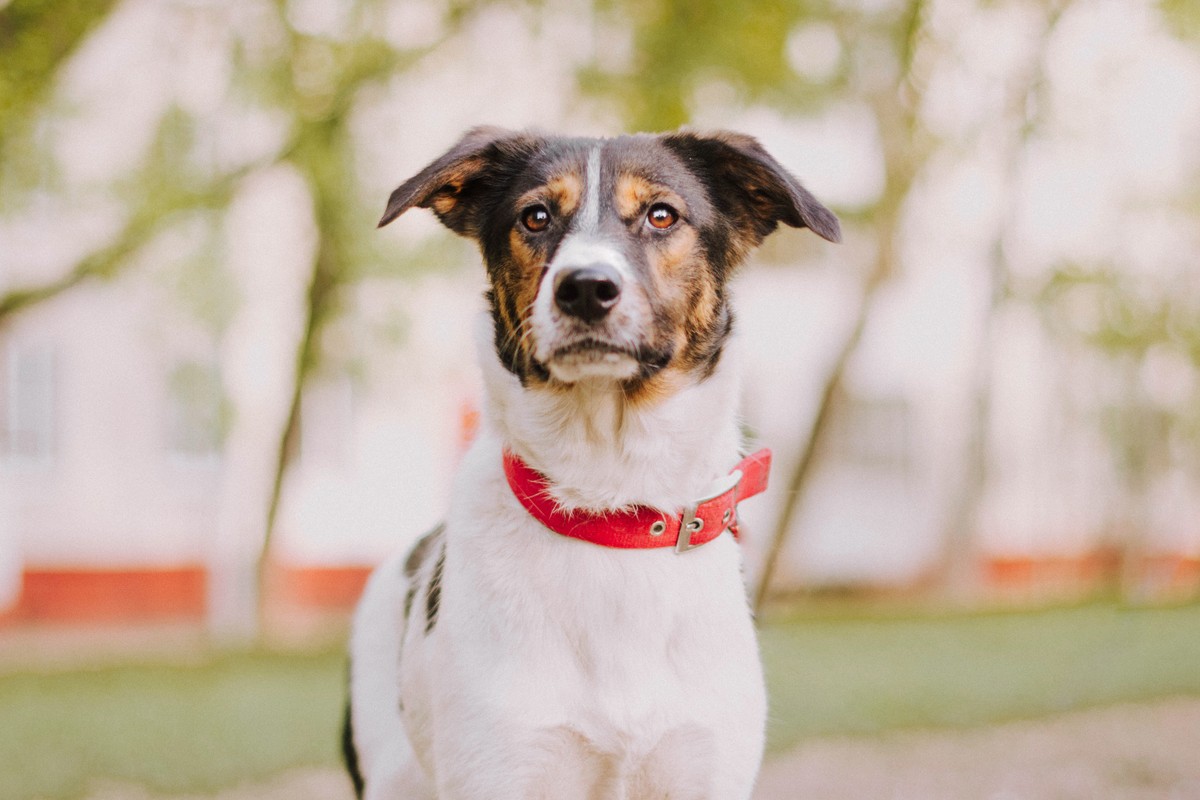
[578, 628]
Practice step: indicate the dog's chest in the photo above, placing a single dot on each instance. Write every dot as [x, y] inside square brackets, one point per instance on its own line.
[595, 619]
[618, 653]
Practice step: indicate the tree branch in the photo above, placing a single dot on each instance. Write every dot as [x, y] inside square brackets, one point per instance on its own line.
[140, 228]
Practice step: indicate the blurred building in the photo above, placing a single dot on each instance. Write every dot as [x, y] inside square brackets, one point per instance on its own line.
[140, 418]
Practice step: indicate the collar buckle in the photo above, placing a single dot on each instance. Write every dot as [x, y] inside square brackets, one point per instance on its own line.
[692, 524]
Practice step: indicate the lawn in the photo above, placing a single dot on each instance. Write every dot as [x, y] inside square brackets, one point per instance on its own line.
[173, 728]
[835, 674]
[250, 714]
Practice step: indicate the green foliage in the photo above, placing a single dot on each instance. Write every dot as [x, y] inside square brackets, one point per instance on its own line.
[202, 281]
[36, 38]
[1140, 437]
[678, 44]
[1129, 313]
[1126, 316]
[1107, 310]
[169, 164]
[1183, 16]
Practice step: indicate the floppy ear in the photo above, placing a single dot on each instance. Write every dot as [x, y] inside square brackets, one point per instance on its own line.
[455, 184]
[748, 182]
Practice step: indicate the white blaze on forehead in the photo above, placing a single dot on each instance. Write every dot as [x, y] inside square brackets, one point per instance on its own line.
[589, 215]
[582, 250]
[584, 245]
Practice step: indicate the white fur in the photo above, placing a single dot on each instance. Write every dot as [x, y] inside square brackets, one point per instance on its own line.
[559, 669]
[589, 215]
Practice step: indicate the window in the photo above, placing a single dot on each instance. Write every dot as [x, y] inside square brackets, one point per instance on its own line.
[27, 407]
[196, 414]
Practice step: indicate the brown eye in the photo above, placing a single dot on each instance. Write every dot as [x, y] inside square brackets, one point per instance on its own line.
[662, 216]
[535, 218]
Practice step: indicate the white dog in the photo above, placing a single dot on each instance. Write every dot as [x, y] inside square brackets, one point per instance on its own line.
[577, 629]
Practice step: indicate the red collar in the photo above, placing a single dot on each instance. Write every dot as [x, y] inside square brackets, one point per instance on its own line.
[640, 527]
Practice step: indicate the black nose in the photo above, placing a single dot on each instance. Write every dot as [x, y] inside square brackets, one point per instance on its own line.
[587, 292]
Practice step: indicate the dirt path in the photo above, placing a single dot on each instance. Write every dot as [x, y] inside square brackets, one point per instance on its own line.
[1131, 752]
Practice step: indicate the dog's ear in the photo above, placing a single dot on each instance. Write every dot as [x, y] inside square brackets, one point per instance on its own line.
[455, 184]
[751, 184]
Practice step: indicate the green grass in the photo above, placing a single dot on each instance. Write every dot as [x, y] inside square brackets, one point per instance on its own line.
[241, 716]
[830, 675]
[172, 728]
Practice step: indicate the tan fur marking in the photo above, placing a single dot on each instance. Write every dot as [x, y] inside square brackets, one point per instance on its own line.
[511, 326]
[654, 390]
[691, 300]
[523, 273]
[684, 281]
[445, 197]
[704, 307]
[520, 283]
[525, 257]
[634, 193]
[565, 190]
[445, 202]
[680, 255]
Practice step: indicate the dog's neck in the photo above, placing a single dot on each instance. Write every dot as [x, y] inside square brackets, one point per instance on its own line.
[600, 451]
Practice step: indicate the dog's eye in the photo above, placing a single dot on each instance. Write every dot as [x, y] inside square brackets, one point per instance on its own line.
[535, 218]
[662, 216]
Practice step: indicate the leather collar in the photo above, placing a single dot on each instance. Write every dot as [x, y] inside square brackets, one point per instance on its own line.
[643, 527]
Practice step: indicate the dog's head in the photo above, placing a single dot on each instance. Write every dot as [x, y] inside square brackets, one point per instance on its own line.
[608, 258]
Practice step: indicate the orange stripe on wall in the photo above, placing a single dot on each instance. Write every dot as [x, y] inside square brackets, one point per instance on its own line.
[328, 588]
[1020, 570]
[1168, 573]
[1177, 569]
[177, 593]
[120, 595]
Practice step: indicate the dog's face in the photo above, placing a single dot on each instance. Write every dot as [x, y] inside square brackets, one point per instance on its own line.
[608, 259]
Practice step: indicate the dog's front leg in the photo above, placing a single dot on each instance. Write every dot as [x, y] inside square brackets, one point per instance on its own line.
[407, 782]
[510, 764]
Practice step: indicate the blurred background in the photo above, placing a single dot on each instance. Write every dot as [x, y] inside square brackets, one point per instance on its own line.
[219, 384]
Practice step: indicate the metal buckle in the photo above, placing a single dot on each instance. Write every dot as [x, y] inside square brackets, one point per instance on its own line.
[693, 524]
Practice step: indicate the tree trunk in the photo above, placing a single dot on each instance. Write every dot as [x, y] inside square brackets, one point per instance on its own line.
[818, 430]
[957, 570]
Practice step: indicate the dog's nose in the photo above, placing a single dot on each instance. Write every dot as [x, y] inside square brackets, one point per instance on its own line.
[588, 293]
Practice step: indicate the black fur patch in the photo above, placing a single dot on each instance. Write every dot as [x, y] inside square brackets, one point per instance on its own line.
[709, 349]
[349, 753]
[408, 600]
[416, 558]
[420, 550]
[433, 594]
